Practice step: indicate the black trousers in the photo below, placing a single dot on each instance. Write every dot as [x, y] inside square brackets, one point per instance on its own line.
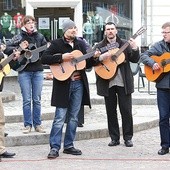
[116, 97]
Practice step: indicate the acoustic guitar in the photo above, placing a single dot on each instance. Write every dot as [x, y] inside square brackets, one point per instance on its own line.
[164, 63]
[108, 67]
[30, 55]
[4, 63]
[62, 71]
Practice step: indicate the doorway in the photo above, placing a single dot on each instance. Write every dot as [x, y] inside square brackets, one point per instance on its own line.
[49, 20]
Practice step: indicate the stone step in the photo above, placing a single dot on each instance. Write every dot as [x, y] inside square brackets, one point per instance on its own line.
[95, 126]
[13, 109]
[7, 96]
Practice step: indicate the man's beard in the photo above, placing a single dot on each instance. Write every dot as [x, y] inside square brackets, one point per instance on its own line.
[71, 38]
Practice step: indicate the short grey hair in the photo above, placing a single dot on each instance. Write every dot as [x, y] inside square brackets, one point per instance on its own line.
[166, 24]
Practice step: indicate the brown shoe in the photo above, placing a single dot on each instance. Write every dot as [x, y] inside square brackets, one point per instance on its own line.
[26, 129]
[40, 129]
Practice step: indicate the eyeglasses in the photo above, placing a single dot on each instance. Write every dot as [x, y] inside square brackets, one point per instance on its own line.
[165, 32]
[30, 22]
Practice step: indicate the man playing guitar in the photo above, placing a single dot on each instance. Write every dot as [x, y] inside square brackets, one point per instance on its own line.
[163, 84]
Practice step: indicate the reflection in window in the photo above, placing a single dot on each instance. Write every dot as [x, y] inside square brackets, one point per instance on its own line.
[96, 13]
[7, 5]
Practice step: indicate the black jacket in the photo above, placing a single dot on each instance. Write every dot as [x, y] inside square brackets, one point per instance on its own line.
[130, 56]
[36, 39]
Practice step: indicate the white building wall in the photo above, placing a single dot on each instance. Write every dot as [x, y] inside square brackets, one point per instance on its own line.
[158, 12]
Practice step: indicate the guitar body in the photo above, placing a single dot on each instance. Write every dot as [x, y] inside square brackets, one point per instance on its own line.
[30, 56]
[5, 70]
[108, 67]
[64, 70]
[156, 75]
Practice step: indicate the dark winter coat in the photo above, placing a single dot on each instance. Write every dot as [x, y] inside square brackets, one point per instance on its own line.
[60, 92]
[36, 39]
[128, 80]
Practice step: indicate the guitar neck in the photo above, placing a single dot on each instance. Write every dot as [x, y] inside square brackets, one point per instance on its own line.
[9, 58]
[118, 53]
[84, 57]
[40, 49]
[88, 55]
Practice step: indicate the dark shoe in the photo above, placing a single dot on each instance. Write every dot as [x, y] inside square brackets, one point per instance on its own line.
[114, 143]
[5, 134]
[163, 151]
[128, 143]
[80, 125]
[53, 154]
[72, 151]
[7, 155]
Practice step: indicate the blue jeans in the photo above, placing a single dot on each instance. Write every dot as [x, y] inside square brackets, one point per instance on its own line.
[75, 99]
[31, 87]
[163, 98]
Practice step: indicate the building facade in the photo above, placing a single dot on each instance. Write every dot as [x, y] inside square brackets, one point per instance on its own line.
[89, 16]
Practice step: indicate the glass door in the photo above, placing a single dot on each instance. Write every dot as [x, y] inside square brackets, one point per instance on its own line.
[54, 28]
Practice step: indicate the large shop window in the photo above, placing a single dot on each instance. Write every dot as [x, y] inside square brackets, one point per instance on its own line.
[7, 5]
[97, 13]
[10, 18]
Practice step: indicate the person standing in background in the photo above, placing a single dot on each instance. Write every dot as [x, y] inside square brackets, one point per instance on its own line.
[17, 22]
[30, 78]
[88, 31]
[162, 85]
[97, 22]
[6, 22]
[119, 88]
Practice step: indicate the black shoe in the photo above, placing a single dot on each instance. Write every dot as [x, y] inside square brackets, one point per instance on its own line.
[7, 155]
[114, 143]
[72, 151]
[80, 125]
[53, 154]
[163, 151]
[128, 143]
[5, 134]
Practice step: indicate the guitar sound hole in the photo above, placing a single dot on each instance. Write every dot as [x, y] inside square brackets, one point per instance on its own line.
[163, 63]
[28, 54]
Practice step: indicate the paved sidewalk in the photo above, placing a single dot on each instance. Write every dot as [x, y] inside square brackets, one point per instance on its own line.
[145, 116]
[96, 155]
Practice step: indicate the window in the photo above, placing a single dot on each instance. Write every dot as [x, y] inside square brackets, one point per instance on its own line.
[7, 5]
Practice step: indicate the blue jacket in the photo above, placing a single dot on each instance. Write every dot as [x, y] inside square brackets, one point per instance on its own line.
[157, 49]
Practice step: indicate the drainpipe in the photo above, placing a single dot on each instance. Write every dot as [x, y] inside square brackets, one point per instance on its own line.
[144, 21]
[151, 21]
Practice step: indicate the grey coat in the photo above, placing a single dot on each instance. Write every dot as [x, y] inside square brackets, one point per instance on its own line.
[157, 49]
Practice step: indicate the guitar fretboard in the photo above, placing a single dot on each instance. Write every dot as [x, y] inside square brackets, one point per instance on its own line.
[102, 50]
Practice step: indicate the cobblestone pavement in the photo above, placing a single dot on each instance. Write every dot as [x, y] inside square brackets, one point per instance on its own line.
[96, 155]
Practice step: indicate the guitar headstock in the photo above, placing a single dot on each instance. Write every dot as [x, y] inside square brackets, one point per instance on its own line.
[141, 30]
